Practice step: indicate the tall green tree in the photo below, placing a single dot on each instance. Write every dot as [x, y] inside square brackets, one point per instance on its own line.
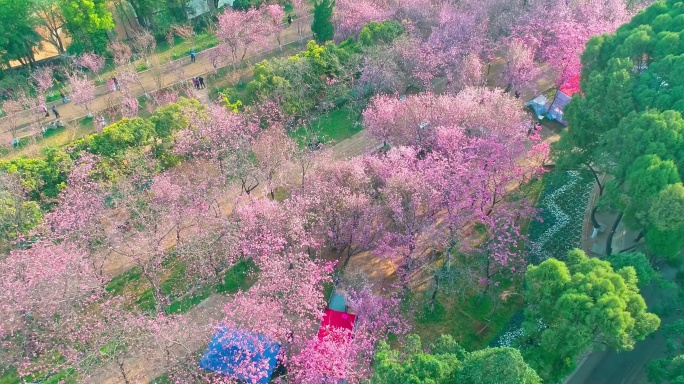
[448, 363]
[496, 366]
[670, 369]
[631, 103]
[49, 16]
[18, 39]
[88, 22]
[578, 306]
[322, 26]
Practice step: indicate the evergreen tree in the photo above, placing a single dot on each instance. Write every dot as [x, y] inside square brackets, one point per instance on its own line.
[322, 26]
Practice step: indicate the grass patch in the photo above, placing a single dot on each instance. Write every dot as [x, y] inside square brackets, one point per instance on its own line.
[332, 127]
[201, 42]
[11, 376]
[470, 323]
[240, 277]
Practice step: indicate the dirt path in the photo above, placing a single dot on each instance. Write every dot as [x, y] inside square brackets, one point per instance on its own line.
[202, 66]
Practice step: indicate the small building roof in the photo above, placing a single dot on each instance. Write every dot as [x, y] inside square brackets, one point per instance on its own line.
[335, 319]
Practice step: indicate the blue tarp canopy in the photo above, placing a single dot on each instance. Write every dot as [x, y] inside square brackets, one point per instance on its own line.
[241, 354]
[337, 302]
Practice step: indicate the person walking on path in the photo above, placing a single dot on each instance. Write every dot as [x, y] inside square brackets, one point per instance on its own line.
[289, 20]
[116, 83]
[45, 110]
[64, 98]
[54, 110]
[192, 56]
[201, 82]
[195, 82]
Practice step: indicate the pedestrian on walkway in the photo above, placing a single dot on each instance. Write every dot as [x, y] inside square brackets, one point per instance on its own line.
[64, 98]
[45, 110]
[195, 82]
[289, 20]
[116, 83]
[192, 56]
[201, 82]
[54, 110]
[103, 122]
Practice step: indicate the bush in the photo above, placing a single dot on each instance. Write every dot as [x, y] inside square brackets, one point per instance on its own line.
[42, 178]
[243, 5]
[170, 118]
[375, 33]
[118, 137]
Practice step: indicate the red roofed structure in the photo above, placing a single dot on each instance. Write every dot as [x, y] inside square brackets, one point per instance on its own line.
[571, 86]
[335, 319]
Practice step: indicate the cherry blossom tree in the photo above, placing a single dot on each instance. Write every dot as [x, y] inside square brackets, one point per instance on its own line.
[226, 139]
[243, 31]
[274, 152]
[12, 109]
[91, 61]
[121, 51]
[351, 15]
[274, 14]
[407, 205]
[519, 72]
[341, 195]
[144, 44]
[561, 43]
[414, 121]
[82, 91]
[300, 9]
[43, 79]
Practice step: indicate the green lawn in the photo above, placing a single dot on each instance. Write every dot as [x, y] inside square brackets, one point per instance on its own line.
[332, 127]
[240, 276]
[471, 324]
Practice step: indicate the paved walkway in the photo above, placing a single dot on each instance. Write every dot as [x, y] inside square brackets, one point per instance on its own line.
[610, 367]
[70, 111]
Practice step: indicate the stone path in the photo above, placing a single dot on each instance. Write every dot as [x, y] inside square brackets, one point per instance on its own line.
[202, 66]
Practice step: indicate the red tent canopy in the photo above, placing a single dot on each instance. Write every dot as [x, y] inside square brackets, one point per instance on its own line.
[335, 319]
[571, 86]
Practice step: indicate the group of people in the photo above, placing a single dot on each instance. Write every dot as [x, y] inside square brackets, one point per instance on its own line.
[47, 114]
[198, 82]
[113, 84]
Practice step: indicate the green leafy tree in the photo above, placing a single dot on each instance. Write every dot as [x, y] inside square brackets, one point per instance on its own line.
[496, 366]
[670, 369]
[643, 268]
[42, 179]
[243, 5]
[18, 215]
[630, 105]
[385, 32]
[578, 306]
[448, 363]
[145, 10]
[18, 39]
[636, 193]
[667, 210]
[117, 138]
[412, 365]
[49, 16]
[322, 26]
[88, 22]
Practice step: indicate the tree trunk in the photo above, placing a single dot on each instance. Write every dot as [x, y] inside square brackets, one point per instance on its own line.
[123, 372]
[598, 181]
[433, 297]
[640, 236]
[593, 217]
[609, 241]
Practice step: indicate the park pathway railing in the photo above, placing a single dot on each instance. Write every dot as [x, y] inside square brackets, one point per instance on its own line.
[70, 112]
